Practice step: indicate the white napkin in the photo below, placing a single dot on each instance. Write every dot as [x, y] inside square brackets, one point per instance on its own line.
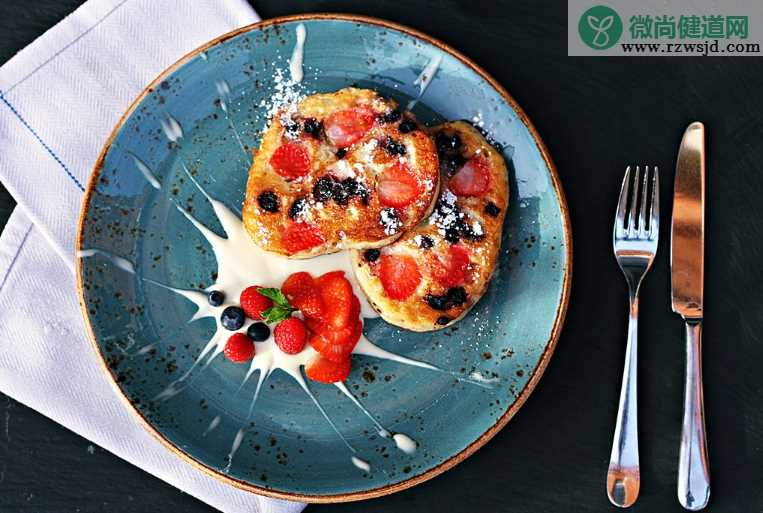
[59, 99]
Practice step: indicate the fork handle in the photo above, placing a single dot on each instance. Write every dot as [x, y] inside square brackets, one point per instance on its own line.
[693, 472]
[623, 476]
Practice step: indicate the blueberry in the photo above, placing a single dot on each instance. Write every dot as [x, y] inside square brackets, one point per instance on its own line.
[313, 127]
[390, 117]
[452, 163]
[443, 320]
[394, 147]
[446, 144]
[258, 331]
[268, 201]
[297, 207]
[492, 209]
[291, 128]
[456, 296]
[216, 298]
[232, 318]
[323, 188]
[340, 194]
[407, 126]
[426, 242]
[452, 234]
[340, 153]
[436, 302]
[353, 187]
[371, 255]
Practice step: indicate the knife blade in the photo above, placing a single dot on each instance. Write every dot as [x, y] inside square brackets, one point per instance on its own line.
[687, 248]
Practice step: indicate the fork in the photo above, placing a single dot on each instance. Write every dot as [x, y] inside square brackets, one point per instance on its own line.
[634, 239]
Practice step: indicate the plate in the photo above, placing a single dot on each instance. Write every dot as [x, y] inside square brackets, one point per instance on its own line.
[138, 252]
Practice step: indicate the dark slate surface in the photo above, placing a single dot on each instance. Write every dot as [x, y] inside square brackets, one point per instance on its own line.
[596, 115]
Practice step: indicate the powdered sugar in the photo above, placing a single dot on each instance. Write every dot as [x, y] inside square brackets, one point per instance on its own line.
[286, 95]
[390, 221]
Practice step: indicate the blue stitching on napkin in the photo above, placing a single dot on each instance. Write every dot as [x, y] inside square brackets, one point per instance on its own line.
[16, 256]
[66, 47]
[44, 145]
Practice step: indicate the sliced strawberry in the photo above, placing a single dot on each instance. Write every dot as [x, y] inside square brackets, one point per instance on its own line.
[450, 270]
[348, 126]
[337, 345]
[399, 275]
[291, 160]
[324, 278]
[398, 186]
[302, 292]
[473, 179]
[336, 293]
[299, 236]
[323, 370]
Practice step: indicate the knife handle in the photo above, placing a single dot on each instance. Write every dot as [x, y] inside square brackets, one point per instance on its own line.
[693, 471]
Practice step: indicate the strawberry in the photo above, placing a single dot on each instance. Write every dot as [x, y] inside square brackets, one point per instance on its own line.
[291, 160]
[239, 348]
[399, 275]
[325, 278]
[303, 293]
[299, 236]
[337, 345]
[323, 370]
[398, 186]
[336, 294]
[473, 179]
[348, 126]
[290, 335]
[253, 303]
[450, 269]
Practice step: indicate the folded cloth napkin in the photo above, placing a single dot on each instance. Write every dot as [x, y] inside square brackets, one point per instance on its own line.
[59, 99]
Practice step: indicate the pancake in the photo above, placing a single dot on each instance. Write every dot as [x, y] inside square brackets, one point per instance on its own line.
[340, 170]
[434, 274]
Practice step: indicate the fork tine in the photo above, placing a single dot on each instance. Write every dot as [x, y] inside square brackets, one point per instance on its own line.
[643, 226]
[622, 204]
[634, 206]
[654, 208]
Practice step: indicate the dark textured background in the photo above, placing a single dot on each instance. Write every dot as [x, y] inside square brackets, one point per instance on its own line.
[596, 115]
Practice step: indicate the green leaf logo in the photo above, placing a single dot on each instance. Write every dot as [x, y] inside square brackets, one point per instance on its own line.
[600, 27]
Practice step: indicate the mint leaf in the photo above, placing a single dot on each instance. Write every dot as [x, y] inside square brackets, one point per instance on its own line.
[277, 313]
[276, 295]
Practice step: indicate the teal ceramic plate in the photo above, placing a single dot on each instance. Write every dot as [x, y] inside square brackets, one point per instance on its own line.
[217, 97]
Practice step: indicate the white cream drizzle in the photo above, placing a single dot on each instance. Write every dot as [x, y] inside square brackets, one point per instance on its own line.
[425, 78]
[295, 63]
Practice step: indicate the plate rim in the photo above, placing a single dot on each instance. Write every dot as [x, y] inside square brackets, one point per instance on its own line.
[537, 372]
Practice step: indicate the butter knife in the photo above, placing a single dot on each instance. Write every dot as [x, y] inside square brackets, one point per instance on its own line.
[687, 277]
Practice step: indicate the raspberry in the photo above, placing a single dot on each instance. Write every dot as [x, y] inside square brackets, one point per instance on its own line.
[290, 335]
[291, 161]
[300, 236]
[239, 348]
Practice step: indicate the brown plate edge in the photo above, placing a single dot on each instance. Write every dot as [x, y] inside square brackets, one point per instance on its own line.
[490, 432]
